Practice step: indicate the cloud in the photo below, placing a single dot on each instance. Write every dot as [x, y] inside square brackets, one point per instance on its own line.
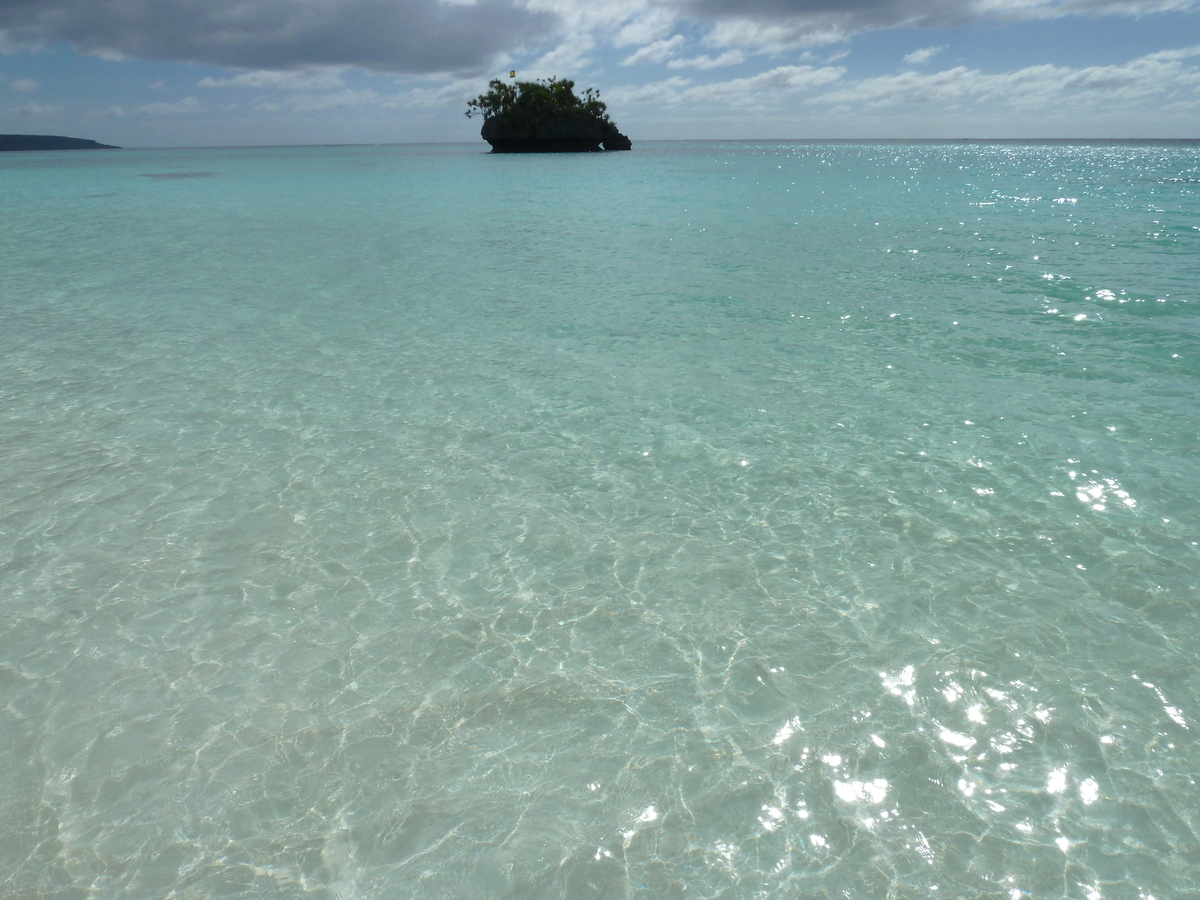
[1158, 74]
[338, 100]
[924, 55]
[410, 36]
[301, 38]
[728, 58]
[657, 52]
[659, 93]
[777, 37]
[567, 57]
[757, 90]
[313, 78]
[780, 80]
[23, 85]
[1167, 80]
[913, 87]
[783, 24]
[180, 107]
[454, 93]
[36, 109]
[645, 26]
[9, 47]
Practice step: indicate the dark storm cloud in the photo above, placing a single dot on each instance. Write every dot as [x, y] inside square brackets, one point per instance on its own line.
[412, 36]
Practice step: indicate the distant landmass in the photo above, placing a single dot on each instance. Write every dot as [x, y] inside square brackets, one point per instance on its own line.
[49, 142]
[545, 117]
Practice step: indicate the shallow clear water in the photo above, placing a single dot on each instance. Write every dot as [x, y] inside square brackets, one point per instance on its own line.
[712, 520]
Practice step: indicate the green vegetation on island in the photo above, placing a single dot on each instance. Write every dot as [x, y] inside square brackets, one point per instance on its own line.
[49, 142]
[545, 117]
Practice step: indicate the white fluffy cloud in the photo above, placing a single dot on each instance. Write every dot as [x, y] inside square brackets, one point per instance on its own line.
[782, 24]
[568, 56]
[316, 78]
[656, 52]
[1165, 75]
[181, 107]
[1160, 79]
[924, 55]
[728, 58]
[780, 80]
[762, 89]
[658, 93]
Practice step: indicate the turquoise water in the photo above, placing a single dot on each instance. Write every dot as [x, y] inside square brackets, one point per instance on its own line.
[712, 520]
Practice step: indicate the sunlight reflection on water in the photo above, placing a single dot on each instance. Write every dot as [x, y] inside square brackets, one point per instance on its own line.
[371, 532]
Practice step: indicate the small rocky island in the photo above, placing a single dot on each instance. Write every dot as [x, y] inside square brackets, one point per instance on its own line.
[49, 142]
[545, 117]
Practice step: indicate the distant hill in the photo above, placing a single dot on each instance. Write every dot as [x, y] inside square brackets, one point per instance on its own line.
[49, 142]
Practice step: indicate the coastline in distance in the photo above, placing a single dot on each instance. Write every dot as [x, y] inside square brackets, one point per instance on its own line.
[49, 142]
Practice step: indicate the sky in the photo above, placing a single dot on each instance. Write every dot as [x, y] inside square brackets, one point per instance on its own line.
[178, 73]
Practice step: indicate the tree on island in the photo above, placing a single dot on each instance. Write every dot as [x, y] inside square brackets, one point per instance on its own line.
[545, 117]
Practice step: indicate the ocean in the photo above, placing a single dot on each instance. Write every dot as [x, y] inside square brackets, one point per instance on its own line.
[715, 520]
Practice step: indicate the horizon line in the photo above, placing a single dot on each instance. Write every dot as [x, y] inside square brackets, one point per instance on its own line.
[838, 140]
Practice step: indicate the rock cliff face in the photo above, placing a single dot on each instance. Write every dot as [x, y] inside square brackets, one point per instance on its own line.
[49, 142]
[550, 135]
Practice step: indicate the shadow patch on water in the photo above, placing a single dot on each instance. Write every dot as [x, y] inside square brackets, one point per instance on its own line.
[176, 175]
